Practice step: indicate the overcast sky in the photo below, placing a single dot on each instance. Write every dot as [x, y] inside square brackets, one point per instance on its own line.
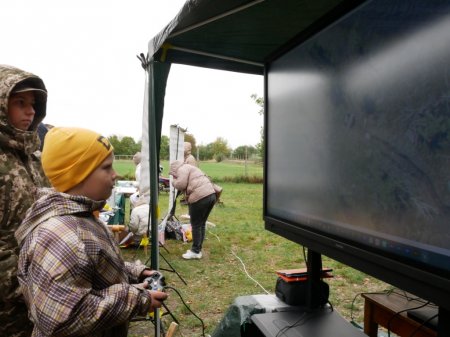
[85, 51]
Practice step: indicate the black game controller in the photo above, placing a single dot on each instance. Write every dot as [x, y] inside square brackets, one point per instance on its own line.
[156, 281]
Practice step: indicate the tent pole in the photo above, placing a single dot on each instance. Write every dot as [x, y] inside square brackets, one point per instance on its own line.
[217, 56]
[153, 163]
[217, 17]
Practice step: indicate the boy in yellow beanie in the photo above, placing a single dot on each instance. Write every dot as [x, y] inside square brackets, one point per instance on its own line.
[71, 272]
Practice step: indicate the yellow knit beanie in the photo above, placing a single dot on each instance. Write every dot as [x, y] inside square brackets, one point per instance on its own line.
[70, 155]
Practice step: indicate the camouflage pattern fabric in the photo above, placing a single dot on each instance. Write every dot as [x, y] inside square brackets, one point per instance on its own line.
[20, 176]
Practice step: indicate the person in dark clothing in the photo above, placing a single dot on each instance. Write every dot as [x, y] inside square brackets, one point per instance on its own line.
[42, 131]
[200, 196]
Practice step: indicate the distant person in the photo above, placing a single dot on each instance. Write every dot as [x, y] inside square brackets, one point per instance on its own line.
[42, 131]
[139, 217]
[200, 196]
[137, 173]
[23, 101]
[137, 177]
[188, 157]
[71, 271]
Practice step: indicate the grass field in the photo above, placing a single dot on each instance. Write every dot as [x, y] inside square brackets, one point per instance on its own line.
[240, 258]
[217, 171]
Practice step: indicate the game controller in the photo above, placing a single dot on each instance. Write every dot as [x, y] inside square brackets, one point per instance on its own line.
[156, 281]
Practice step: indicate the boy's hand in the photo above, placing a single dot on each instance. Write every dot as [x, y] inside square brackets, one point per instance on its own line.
[157, 298]
[146, 273]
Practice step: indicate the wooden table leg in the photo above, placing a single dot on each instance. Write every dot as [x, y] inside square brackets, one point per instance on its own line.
[370, 326]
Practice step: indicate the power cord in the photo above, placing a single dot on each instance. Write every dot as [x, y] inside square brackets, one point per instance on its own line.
[242, 263]
[352, 320]
[304, 317]
[423, 324]
[401, 311]
[246, 272]
[401, 293]
[187, 307]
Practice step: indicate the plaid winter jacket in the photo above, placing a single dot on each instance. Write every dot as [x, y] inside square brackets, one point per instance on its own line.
[71, 271]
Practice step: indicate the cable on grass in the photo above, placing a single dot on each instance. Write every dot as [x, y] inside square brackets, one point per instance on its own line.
[187, 307]
[243, 265]
[246, 272]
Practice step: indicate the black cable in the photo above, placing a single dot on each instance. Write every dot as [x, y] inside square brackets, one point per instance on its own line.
[353, 306]
[152, 320]
[422, 325]
[297, 323]
[300, 321]
[187, 307]
[388, 291]
[401, 311]
[408, 298]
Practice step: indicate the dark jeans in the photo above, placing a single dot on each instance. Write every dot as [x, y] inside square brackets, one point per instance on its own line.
[199, 212]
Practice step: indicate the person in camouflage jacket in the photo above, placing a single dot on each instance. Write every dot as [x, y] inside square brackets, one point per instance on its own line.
[21, 175]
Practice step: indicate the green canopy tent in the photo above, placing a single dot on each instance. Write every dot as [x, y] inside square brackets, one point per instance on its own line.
[246, 36]
[234, 35]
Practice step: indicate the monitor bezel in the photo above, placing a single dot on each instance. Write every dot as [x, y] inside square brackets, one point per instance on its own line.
[404, 274]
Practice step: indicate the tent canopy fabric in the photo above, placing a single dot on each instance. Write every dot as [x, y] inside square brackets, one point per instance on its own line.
[241, 35]
[234, 35]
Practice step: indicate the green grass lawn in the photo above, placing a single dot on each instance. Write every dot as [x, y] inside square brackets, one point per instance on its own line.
[217, 171]
[125, 168]
[240, 258]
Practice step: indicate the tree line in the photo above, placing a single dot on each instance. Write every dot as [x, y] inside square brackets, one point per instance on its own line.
[217, 150]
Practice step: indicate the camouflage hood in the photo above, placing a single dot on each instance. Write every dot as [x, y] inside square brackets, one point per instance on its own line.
[51, 203]
[10, 137]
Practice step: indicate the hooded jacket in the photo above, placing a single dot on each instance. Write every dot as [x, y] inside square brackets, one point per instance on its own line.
[20, 170]
[139, 216]
[188, 157]
[20, 176]
[71, 272]
[190, 180]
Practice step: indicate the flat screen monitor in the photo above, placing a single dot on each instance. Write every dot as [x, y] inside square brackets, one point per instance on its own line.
[358, 143]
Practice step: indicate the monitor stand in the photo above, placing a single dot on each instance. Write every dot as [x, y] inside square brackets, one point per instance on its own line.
[313, 320]
[314, 267]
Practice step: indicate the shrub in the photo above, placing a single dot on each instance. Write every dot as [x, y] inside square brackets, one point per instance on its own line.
[240, 179]
[219, 157]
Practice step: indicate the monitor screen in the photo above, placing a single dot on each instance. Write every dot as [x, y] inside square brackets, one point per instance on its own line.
[358, 141]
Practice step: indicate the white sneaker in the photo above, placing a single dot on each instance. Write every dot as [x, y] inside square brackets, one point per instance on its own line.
[189, 255]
